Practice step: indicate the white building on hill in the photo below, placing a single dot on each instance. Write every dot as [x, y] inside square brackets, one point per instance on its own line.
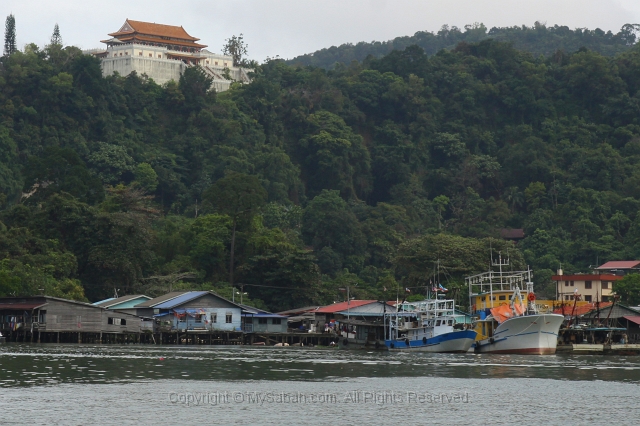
[163, 53]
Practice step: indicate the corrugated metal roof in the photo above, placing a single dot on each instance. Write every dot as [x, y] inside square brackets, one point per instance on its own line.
[620, 264]
[151, 303]
[111, 302]
[299, 310]
[170, 304]
[633, 318]
[373, 308]
[263, 315]
[342, 306]
[21, 305]
[618, 311]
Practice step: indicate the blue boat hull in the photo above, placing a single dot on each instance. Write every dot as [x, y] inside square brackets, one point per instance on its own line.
[454, 342]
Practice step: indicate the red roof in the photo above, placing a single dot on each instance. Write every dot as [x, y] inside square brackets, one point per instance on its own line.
[579, 310]
[620, 264]
[633, 318]
[586, 277]
[343, 306]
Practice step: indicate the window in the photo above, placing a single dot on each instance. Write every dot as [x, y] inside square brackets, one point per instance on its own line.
[214, 317]
[502, 298]
[216, 63]
[123, 321]
[126, 53]
[587, 284]
[587, 298]
[198, 318]
[437, 323]
[139, 53]
[229, 318]
[262, 320]
[206, 62]
[566, 283]
[151, 55]
[225, 64]
[159, 56]
[605, 284]
[182, 318]
[275, 321]
[116, 321]
[43, 317]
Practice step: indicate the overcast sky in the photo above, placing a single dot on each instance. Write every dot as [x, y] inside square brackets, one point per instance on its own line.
[292, 27]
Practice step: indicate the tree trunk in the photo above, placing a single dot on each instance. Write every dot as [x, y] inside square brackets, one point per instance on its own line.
[233, 246]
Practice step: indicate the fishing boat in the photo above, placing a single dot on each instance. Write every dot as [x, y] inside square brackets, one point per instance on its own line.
[430, 325]
[507, 321]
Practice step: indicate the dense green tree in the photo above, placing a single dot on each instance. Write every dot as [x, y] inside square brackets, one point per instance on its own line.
[628, 289]
[10, 46]
[239, 196]
[236, 48]
[328, 223]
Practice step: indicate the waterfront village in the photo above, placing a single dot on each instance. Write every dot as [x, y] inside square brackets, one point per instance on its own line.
[593, 321]
[589, 319]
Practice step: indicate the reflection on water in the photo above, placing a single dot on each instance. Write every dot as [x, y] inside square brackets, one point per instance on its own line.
[81, 384]
[25, 365]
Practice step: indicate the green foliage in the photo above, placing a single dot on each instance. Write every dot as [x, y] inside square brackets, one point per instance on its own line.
[628, 289]
[10, 46]
[305, 181]
[236, 48]
[56, 38]
[537, 39]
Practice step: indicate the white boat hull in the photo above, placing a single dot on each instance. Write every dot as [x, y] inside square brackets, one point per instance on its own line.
[530, 334]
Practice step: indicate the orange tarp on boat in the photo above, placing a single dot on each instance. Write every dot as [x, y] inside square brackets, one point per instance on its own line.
[502, 313]
[518, 308]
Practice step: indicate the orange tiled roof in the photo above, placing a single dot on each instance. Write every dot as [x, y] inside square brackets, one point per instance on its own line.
[579, 310]
[149, 28]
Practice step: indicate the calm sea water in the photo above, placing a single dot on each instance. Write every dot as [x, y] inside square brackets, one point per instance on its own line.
[84, 384]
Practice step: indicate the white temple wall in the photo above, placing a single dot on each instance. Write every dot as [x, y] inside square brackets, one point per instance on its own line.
[153, 62]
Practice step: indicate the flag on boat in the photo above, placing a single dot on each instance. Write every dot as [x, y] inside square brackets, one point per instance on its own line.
[407, 290]
[442, 288]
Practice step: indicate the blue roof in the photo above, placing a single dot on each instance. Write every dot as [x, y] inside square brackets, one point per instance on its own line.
[102, 301]
[170, 304]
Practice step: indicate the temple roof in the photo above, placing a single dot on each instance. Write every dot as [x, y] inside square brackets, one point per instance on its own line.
[155, 33]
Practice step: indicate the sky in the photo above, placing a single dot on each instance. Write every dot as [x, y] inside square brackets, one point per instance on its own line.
[288, 28]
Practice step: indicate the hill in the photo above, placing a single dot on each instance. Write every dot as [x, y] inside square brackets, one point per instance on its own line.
[537, 40]
[307, 180]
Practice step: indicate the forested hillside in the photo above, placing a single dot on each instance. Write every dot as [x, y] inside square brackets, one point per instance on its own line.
[537, 40]
[309, 180]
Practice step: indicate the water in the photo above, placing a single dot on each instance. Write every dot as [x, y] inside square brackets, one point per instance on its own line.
[85, 384]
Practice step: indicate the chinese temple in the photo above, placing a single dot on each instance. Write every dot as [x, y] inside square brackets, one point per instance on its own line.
[163, 52]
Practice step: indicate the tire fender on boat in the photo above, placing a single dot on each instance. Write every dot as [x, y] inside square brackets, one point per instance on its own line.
[406, 341]
[424, 340]
[345, 341]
